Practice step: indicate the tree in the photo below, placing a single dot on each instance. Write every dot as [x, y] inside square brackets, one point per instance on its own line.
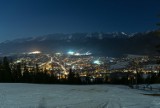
[158, 34]
[6, 70]
[1, 72]
[16, 73]
[37, 69]
[77, 79]
[26, 75]
[71, 77]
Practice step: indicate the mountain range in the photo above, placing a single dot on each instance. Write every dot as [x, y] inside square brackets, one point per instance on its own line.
[108, 44]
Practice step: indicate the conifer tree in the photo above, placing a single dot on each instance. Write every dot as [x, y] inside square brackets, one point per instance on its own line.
[1, 73]
[16, 73]
[71, 77]
[6, 70]
[26, 75]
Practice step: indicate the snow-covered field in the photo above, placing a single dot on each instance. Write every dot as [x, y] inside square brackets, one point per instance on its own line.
[74, 96]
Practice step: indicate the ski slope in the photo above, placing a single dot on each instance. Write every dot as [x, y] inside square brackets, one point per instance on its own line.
[74, 96]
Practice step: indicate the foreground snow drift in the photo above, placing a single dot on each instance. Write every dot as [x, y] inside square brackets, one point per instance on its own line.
[74, 96]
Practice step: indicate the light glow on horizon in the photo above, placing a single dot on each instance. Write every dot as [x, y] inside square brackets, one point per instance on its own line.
[34, 52]
[70, 52]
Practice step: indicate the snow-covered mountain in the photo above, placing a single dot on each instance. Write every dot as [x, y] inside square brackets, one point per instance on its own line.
[116, 43]
[74, 36]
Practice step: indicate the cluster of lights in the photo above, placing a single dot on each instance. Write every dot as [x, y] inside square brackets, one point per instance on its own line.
[71, 53]
[78, 54]
[97, 62]
[34, 52]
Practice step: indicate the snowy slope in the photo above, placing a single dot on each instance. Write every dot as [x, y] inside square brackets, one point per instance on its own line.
[74, 96]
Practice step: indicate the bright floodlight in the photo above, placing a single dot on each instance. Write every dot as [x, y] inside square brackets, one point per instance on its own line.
[58, 53]
[77, 54]
[70, 52]
[34, 52]
[97, 62]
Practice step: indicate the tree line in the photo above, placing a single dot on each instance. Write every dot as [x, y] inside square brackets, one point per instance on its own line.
[13, 73]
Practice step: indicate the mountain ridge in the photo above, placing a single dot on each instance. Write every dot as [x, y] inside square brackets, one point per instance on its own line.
[109, 44]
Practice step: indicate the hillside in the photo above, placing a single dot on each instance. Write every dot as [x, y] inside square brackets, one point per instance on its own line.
[74, 96]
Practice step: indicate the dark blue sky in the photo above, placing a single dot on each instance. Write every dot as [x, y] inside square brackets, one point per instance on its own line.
[22, 18]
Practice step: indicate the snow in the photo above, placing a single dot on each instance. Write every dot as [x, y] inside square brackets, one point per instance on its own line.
[74, 96]
[70, 37]
[100, 36]
[89, 35]
[42, 39]
[31, 39]
[5, 42]
[123, 33]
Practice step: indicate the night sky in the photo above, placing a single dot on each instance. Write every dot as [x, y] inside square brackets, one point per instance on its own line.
[25, 18]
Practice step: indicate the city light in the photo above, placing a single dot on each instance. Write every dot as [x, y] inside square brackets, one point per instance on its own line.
[70, 52]
[83, 64]
[77, 54]
[34, 52]
[97, 62]
[58, 53]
